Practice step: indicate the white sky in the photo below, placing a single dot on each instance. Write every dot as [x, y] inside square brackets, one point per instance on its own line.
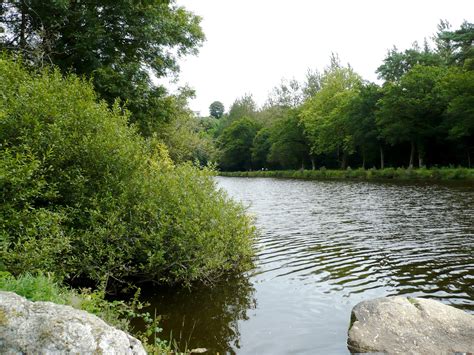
[252, 44]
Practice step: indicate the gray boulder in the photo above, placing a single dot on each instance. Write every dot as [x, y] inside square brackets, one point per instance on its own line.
[400, 325]
[47, 328]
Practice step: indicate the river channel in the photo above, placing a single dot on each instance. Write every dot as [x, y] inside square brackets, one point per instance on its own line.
[323, 247]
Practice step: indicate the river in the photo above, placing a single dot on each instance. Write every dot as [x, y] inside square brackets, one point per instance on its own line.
[323, 247]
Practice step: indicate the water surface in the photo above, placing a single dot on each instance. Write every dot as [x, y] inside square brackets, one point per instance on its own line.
[324, 246]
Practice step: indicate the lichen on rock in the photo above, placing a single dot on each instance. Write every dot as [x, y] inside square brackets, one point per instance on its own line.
[48, 328]
[397, 325]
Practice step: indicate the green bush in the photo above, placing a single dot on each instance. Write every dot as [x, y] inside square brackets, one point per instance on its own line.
[86, 197]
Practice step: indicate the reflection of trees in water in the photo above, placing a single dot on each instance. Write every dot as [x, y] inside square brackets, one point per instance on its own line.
[205, 316]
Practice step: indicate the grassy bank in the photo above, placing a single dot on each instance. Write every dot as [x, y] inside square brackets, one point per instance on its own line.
[45, 287]
[363, 174]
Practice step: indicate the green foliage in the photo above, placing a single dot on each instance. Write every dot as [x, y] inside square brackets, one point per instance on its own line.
[216, 109]
[185, 140]
[289, 146]
[326, 115]
[261, 148]
[456, 46]
[269, 115]
[109, 39]
[410, 111]
[361, 113]
[242, 107]
[396, 63]
[86, 197]
[363, 174]
[424, 108]
[235, 144]
[457, 89]
[287, 95]
[119, 45]
[42, 287]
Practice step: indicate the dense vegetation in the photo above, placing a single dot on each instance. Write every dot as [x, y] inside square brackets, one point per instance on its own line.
[122, 47]
[421, 116]
[85, 196]
[102, 171]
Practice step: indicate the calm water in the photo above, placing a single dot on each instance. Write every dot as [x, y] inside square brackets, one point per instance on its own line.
[323, 247]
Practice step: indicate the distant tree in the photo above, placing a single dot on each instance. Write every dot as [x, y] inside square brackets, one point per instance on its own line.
[288, 94]
[457, 88]
[410, 111]
[268, 115]
[290, 148]
[243, 107]
[208, 124]
[456, 47]
[291, 93]
[397, 63]
[216, 109]
[235, 144]
[444, 46]
[326, 116]
[312, 83]
[361, 114]
[186, 139]
[261, 148]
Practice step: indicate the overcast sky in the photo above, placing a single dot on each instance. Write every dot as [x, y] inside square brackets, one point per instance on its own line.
[252, 44]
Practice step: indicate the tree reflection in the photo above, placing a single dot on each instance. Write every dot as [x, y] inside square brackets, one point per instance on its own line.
[205, 316]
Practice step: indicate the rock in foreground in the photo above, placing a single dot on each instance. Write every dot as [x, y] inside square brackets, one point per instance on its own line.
[48, 328]
[400, 325]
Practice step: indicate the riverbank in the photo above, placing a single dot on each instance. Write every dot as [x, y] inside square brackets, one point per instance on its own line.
[116, 313]
[362, 174]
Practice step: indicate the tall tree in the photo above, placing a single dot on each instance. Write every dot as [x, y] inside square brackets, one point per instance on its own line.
[361, 113]
[398, 63]
[235, 144]
[289, 146]
[456, 47]
[325, 115]
[312, 83]
[458, 90]
[244, 106]
[120, 43]
[261, 148]
[287, 95]
[410, 111]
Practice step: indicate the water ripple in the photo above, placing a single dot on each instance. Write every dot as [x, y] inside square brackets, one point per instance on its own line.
[355, 236]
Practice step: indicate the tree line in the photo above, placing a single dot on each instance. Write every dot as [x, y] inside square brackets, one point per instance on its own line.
[421, 115]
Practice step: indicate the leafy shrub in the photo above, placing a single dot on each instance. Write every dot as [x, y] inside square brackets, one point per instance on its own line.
[86, 197]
